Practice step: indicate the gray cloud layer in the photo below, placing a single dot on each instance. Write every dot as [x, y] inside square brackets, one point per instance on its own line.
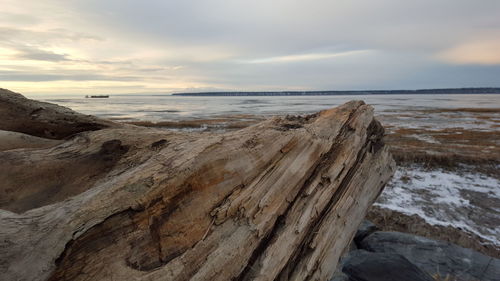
[263, 45]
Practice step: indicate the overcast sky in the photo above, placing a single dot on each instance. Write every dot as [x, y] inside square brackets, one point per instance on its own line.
[120, 46]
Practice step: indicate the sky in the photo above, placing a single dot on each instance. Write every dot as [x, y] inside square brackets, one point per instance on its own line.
[153, 46]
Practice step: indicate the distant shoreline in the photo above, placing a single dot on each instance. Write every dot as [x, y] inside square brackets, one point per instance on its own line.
[345, 93]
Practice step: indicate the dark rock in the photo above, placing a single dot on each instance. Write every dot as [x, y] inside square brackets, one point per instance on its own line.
[361, 265]
[339, 276]
[435, 257]
[352, 247]
[366, 228]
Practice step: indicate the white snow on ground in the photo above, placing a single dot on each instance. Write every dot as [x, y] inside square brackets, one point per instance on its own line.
[465, 200]
[425, 138]
[439, 121]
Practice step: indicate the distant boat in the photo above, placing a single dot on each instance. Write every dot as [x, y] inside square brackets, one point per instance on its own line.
[98, 97]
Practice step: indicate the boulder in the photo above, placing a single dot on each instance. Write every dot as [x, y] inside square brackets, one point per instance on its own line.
[362, 265]
[435, 257]
[339, 276]
[366, 228]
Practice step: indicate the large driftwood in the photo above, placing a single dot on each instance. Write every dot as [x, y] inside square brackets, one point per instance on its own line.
[279, 200]
[42, 119]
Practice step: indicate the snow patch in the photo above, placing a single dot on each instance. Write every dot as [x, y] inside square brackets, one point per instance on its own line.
[425, 138]
[464, 200]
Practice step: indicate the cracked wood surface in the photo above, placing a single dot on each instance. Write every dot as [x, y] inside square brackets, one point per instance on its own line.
[42, 119]
[279, 200]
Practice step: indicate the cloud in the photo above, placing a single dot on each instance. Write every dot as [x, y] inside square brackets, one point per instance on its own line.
[50, 36]
[76, 76]
[30, 53]
[305, 57]
[484, 52]
[29, 44]
[18, 18]
[247, 45]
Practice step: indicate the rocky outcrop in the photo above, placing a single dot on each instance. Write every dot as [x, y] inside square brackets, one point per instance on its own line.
[41, 119]
[365, 228]
[361, 265]
[401, 256]
[435, 257]
[279, 200]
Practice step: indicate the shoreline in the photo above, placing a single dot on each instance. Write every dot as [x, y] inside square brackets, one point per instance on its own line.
[439, 152]
[425, 155]
[482, 90]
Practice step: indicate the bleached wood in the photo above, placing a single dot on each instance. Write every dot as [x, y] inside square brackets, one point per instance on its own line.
[276, 201]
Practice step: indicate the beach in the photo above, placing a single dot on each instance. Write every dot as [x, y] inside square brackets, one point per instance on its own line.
[447, 147]
[143, 183]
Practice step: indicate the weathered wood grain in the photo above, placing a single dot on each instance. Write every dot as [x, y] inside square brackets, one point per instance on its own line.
[279, 200]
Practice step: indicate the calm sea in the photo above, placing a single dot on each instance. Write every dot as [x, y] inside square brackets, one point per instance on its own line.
[171, 108]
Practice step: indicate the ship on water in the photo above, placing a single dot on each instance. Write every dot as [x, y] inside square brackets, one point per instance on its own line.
[98, 97]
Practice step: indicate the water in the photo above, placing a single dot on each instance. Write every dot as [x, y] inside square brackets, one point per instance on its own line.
[171, 108]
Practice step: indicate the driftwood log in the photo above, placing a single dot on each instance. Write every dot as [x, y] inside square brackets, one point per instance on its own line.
[279, 200]
[42, 119]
